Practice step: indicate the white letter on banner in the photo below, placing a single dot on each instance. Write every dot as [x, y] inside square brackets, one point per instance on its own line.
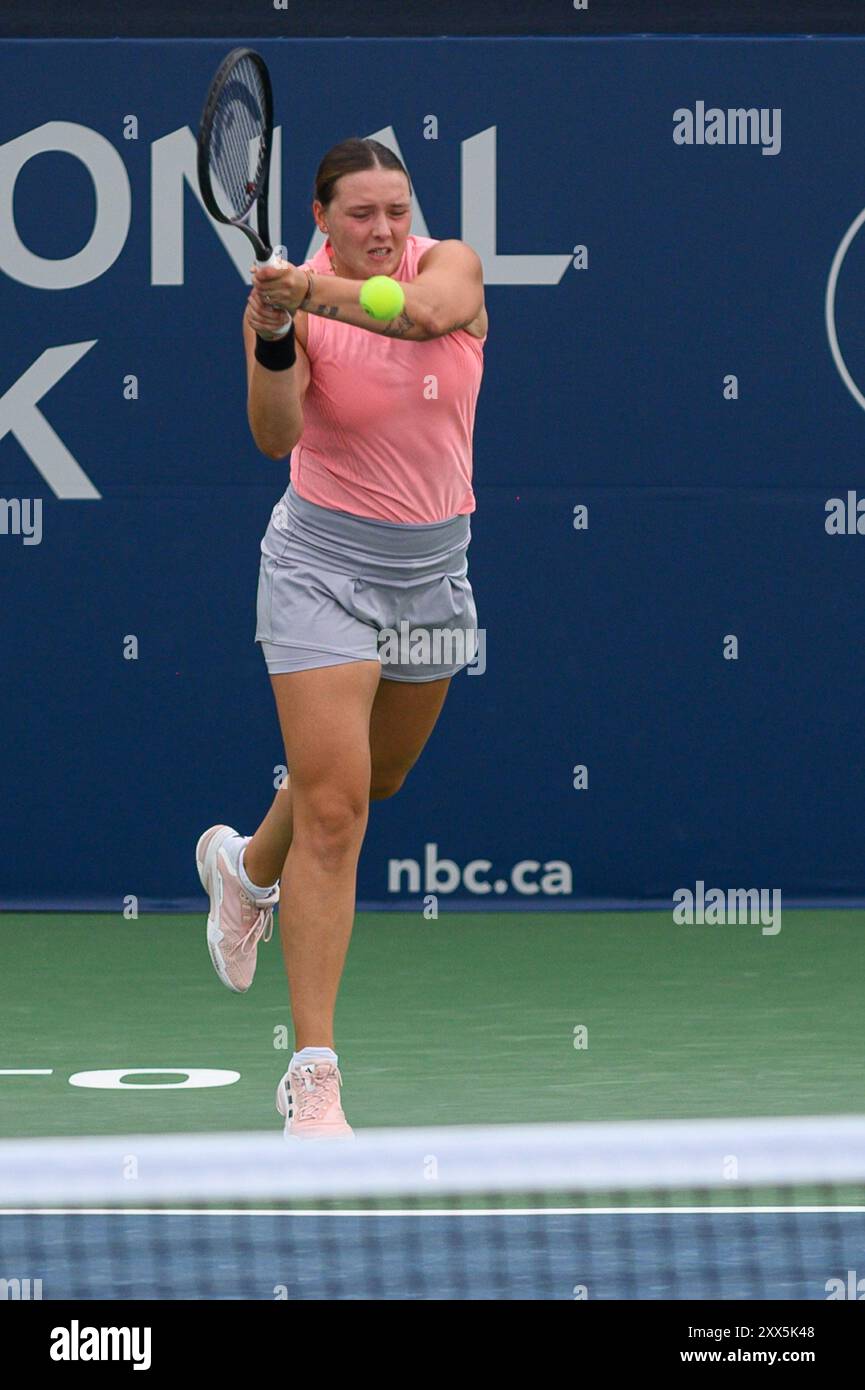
[19, 416]
[113, 206]
[173, 166]
[479, 221]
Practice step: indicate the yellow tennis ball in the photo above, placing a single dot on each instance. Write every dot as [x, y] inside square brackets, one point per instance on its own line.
[382, 297]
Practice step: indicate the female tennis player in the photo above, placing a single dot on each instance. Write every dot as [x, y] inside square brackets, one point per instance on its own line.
[371, 533]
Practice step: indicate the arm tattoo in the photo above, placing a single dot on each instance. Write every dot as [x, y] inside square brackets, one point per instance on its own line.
[326, 311]
[398, 327]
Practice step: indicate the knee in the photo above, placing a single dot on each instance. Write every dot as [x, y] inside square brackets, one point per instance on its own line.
[384, 785]
[331, 823]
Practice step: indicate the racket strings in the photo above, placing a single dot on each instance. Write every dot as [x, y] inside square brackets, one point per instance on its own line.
[237, 146]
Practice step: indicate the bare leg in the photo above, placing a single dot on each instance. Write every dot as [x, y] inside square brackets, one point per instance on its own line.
[403, 717]
[349, 738]
[265, 854]
[324, 715]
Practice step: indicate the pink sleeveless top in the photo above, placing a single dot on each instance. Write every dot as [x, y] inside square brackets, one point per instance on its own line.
[388, 423]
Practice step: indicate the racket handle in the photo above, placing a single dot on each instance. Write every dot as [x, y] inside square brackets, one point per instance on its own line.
[275, 259]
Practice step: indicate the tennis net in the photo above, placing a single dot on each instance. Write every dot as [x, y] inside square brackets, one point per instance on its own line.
[711, 1209]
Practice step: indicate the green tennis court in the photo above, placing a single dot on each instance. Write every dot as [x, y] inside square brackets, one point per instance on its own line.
[470, 1019]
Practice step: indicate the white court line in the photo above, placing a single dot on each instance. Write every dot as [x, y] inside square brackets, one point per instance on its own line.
[26, 1071]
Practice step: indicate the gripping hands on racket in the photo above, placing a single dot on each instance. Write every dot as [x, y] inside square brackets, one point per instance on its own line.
[268, 320]
[278, 289]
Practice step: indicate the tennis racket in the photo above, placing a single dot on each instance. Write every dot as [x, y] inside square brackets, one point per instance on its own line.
[234, 144]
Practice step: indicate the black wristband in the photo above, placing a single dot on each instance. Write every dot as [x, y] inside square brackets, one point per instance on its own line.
[276, 354]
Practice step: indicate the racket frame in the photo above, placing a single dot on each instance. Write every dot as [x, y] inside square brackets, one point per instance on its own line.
[260, 239]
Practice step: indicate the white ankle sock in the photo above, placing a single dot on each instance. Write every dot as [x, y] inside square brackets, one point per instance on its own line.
[313, 1054]
[251, 888]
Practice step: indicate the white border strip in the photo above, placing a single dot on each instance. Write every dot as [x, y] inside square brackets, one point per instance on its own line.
[270, 1212]
[662, 1155]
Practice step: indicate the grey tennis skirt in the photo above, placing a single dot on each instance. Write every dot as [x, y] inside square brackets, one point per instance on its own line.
[334, 587]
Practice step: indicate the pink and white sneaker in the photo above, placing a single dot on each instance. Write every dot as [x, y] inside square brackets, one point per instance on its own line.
[308, 1098]
[236, 921]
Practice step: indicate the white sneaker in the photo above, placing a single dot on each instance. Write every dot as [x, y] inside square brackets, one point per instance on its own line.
[308, 1099]
[236, 921]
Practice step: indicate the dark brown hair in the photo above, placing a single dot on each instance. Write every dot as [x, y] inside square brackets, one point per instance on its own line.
[349, 157]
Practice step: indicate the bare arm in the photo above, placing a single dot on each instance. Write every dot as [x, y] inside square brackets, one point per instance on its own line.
[335, 298]
[451, 278]
[274, 402]
[446, 294]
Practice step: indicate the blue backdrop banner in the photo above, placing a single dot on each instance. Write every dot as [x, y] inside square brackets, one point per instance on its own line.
[668, 552]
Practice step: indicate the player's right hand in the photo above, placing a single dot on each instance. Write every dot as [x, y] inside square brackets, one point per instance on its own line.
[265, 319]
